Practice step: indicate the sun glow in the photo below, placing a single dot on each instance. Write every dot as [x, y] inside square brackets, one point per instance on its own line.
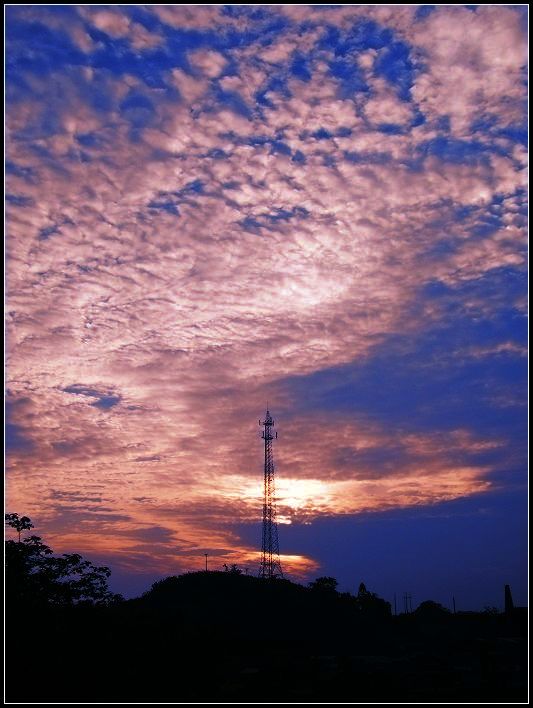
[300, 494]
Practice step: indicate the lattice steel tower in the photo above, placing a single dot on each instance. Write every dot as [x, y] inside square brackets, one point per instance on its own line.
[270, 563]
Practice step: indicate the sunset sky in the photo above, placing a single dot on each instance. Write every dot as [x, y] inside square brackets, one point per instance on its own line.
[321, 207]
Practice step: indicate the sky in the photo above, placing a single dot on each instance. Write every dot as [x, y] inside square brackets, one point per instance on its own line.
[320, 207]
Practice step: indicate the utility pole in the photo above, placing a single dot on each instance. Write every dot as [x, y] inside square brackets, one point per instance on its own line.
[270, 563]
[205, 554]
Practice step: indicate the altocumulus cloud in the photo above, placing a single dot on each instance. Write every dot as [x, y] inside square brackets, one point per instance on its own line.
[211, 206]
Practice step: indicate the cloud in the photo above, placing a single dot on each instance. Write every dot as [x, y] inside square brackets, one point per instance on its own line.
[209, 63]
[208, 203]
[475, 65]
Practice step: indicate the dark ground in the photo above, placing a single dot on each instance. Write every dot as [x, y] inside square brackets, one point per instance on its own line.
[223, 637]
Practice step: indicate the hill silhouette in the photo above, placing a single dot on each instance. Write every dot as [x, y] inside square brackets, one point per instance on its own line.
[229, 637]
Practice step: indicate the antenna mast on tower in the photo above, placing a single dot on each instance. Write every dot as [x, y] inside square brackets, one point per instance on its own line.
[270, 562]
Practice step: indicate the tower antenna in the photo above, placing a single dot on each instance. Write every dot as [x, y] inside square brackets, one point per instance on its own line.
[270, 563]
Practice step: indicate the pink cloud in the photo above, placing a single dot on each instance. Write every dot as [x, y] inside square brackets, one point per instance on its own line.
[475, 63]
[155, 292]
[385, 107]
[210, 63]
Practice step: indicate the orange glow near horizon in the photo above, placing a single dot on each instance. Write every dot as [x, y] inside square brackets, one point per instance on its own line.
[165, 526]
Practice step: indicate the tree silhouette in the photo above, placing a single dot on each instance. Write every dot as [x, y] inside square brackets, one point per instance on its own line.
[22, 523]
[490, 610]
[233, 568]
[370, 604]
[35, 576]
[324, 584]
[430, 609]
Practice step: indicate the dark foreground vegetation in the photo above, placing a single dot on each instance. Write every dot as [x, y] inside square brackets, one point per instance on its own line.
[230, 637]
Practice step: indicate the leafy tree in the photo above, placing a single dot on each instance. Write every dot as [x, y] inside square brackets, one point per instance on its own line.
[22, 523]
[324, 584]
[35, 576]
